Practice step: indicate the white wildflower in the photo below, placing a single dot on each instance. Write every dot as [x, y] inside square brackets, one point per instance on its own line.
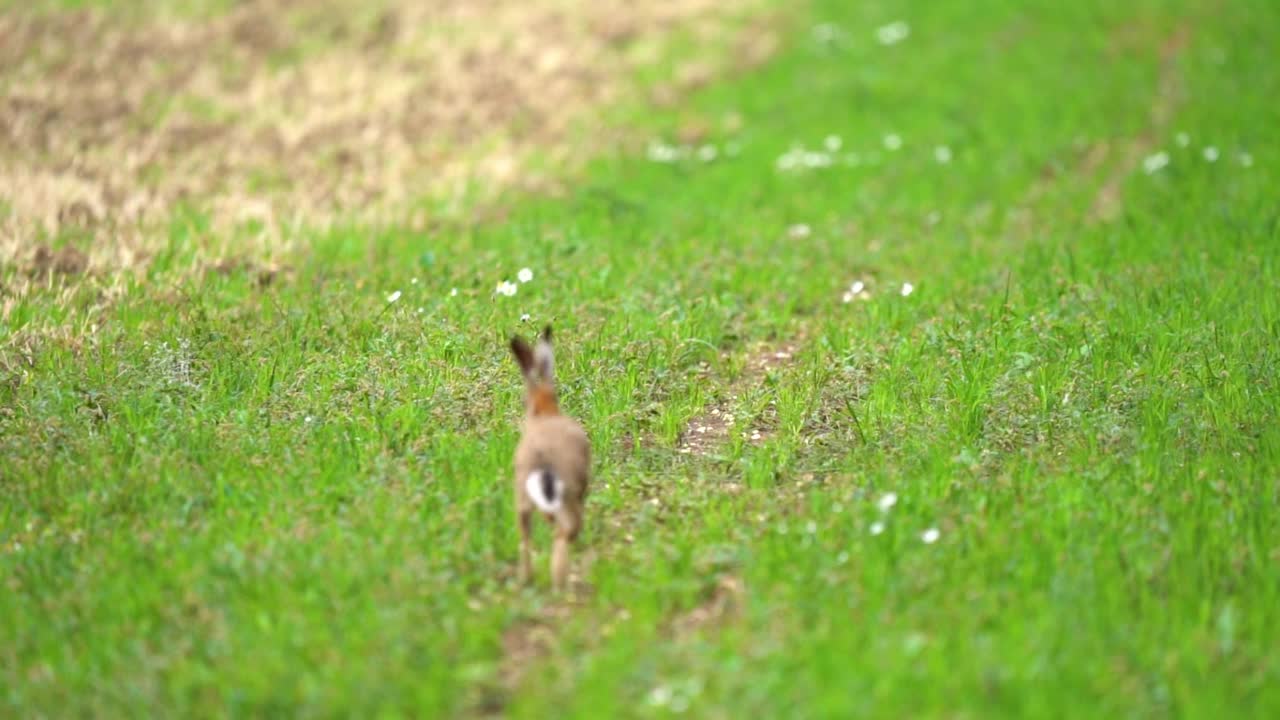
[907, 289]
[892, 142]
[816, 160]
[1211, 154]
[914, 643]
[930, 536]
[525, 275]
[660, 696]
[832, 143]
[887, 501]
[789, 160]
[942, 154]
[413, 281]
[877, 527]
[661, 152]
[893, 33]
[707, 153]
[1182, 139]
[799, 231]
[847, 297]
[508, 289]
[453, 292]
[524, 318]
[1155, 162]
[857, 287]
[393, 296]
[308, 419]
[825, 32]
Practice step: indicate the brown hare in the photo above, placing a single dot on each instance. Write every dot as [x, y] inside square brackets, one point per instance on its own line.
[552, 462]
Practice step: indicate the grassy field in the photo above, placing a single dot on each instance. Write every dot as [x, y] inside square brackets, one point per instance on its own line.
[1028, 469]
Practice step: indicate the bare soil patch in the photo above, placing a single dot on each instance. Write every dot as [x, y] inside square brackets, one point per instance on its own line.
[721, 603]
[710, 430]
[527, 641]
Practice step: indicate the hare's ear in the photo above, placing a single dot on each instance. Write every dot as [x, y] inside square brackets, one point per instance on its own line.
[523, 353]
[543, 359]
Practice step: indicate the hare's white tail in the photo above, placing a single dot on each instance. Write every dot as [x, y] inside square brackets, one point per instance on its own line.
[545, 489]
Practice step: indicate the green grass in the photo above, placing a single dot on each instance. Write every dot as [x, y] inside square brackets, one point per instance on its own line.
[253, 499]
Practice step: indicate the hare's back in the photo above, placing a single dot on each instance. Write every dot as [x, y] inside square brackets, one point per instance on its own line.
[560, 442]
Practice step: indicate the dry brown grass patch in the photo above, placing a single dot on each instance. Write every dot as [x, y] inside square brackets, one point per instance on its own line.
[283, 111]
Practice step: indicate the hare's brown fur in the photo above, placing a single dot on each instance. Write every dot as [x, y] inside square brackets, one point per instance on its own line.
[549, 442]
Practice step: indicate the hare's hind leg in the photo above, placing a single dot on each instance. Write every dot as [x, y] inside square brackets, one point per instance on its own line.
[526, 567]
[560, 560]
[567, 526]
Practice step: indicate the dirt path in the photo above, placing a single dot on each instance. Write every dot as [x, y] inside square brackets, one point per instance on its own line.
[710, 430]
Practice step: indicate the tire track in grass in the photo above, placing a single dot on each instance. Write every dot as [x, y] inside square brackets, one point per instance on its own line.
[1108, 202]
[1092, 157]
[707, 433]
